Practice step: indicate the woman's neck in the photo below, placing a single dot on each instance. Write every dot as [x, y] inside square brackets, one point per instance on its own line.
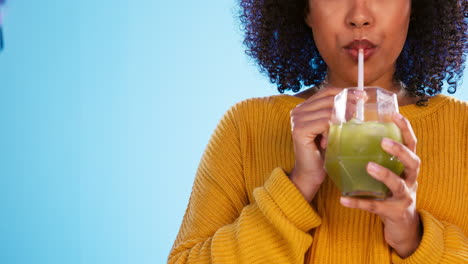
[395, 87]
[385, 81]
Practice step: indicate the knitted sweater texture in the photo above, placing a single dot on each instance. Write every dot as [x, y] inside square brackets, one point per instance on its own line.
[244, 209]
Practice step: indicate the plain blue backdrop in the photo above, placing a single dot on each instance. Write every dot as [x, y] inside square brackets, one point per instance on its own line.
[106, 108]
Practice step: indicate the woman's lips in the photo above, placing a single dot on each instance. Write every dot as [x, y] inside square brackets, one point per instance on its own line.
[352, 48]
[368, 52]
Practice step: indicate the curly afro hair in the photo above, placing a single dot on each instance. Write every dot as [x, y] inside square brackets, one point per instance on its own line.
[279, 40]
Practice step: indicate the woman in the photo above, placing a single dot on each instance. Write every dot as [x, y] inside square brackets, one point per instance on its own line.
[261, 194]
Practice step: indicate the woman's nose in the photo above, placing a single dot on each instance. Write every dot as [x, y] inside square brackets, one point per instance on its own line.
[359, 15]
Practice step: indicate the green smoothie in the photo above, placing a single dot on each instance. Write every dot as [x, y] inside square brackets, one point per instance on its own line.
[351, 146]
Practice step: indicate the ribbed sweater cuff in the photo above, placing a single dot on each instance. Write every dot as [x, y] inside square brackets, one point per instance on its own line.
[291, 202]
[432, 243]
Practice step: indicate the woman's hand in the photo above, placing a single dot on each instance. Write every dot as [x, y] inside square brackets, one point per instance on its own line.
[309, 127]
[402, 226]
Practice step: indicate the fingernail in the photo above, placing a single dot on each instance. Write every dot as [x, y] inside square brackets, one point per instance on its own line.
[345, 201]
[372, 167]
[398, 116]
[387, 143]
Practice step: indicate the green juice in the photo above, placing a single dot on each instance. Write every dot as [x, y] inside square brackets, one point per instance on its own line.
[351, 146]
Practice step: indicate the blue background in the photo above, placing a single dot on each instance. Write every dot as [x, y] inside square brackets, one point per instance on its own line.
[106, 108]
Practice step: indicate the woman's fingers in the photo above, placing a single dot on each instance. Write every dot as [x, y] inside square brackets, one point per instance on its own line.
[371, 206]
[320, 103]
[394, 183]
[312, 115]
[324, 140]
[309, 129]
[407, 133]
[409, 159]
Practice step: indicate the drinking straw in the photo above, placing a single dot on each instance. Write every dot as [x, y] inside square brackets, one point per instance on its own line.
[360, 103]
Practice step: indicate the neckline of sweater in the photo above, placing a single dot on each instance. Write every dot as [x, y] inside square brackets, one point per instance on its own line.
[412, 111]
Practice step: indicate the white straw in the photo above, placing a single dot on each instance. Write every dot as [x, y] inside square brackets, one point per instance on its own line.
[361, 69]
[360, 103]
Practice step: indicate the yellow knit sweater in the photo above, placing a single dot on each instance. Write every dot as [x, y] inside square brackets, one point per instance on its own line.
[244, 209]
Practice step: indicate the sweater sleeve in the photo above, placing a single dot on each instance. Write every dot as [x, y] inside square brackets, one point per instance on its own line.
[220, 225]
[442, 242]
